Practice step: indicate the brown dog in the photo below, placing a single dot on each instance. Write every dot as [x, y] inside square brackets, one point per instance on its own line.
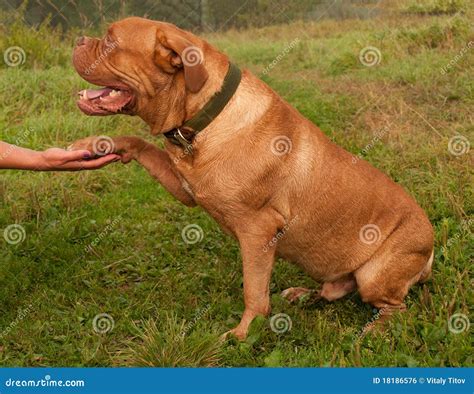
[266, 174]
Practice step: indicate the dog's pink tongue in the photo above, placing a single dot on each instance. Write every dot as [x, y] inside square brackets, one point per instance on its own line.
[94, 93]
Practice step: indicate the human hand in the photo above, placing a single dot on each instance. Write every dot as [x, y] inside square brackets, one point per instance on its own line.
[56, 159]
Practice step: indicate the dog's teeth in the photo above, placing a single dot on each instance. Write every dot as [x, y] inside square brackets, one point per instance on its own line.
[84, 95]
[114, 93]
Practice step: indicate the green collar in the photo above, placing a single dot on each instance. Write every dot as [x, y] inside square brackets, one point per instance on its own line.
[184, 135]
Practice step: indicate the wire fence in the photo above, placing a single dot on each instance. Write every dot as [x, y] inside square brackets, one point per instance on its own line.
[197, 15]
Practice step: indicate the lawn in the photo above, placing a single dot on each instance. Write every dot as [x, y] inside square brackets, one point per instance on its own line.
[100, 274]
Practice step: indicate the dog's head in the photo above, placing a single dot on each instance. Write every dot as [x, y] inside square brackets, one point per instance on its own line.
[145, 68]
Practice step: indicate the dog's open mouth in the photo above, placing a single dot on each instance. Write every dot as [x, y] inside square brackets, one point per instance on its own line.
[105, 101]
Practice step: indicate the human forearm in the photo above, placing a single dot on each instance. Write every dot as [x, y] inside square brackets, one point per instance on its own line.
[14, 157]
[54, 159]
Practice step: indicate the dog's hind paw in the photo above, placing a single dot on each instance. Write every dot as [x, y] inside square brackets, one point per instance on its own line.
[294, 294]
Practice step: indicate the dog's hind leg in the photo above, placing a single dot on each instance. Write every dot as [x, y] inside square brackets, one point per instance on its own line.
[294, 294]
[384, 280]
[330, 291]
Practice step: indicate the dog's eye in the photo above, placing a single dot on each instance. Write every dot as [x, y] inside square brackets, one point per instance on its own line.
[109, 42]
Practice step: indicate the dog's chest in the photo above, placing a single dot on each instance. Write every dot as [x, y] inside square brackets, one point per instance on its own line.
[213, 193]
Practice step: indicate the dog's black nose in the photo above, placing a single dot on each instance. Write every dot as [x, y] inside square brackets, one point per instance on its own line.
[81, 41]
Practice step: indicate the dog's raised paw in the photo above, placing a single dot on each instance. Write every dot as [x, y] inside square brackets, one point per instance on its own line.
[98, 146]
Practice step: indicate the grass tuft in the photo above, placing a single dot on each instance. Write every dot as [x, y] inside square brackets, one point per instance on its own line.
[170, 344]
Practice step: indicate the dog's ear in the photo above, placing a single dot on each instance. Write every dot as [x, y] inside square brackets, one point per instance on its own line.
[174, 51]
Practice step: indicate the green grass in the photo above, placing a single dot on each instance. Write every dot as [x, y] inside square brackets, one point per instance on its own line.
[170, 301]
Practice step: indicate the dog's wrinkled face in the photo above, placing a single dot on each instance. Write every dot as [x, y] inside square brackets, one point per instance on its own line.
[139, 63]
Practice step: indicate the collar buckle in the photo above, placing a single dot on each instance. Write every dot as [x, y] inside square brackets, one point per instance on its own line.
[208, 113]
[187, 145]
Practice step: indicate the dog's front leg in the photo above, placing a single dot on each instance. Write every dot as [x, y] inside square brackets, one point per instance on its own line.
[156, 161]
[158, 164]
[258, 256]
